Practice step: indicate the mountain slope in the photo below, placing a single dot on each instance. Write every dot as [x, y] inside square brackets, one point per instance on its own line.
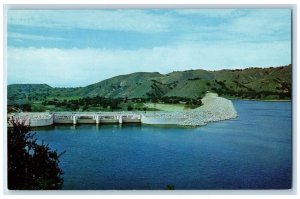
[255, 83]
[132, 85]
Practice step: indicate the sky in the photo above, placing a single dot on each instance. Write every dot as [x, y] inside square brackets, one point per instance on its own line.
[72, 48]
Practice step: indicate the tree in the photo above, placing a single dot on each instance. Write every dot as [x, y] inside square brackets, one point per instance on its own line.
[129, 108]
[85, 107]
[31, 166]
[26, 107]
[170, 187]
[114, 105]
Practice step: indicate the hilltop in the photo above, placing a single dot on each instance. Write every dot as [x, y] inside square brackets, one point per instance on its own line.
[258, 83]
[273, 83]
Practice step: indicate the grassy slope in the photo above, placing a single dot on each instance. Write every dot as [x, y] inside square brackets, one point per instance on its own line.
[191, 83]
[166, 107]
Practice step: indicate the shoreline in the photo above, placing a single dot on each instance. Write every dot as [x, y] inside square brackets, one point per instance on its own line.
[260, 100]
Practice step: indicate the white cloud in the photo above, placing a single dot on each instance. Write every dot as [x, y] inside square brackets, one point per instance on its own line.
[124, 20]
[246, 25]
[263, 21]
[197, 25]
[80, 67]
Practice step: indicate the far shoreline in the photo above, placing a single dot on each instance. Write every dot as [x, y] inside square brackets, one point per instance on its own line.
[260, 100]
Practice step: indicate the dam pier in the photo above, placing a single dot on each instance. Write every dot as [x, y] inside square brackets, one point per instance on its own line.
[96, 118]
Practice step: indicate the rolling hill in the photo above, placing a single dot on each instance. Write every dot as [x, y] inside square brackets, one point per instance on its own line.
[251, 83]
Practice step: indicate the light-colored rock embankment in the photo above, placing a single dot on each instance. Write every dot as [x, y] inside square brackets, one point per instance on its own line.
[214, 109]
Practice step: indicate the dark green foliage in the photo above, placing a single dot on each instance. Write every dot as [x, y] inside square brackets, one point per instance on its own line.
[154, 100]
[196, 78]
[170, 187]
[31, 166]
[114, 105]
[178, 100]
[195, 102]
[21, 107]
[129, 108]
[86, 102]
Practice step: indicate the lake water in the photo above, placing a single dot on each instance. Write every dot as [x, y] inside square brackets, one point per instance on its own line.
[253, 151]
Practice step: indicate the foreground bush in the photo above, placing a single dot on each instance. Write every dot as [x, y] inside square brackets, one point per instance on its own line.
[31, 165]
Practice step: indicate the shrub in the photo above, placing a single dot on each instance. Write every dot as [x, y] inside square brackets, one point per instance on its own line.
[31, 165]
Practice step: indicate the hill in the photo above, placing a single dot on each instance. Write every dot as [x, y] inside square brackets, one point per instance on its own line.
[272, 83]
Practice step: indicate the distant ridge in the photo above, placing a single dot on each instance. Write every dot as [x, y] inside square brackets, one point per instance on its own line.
[250, 83]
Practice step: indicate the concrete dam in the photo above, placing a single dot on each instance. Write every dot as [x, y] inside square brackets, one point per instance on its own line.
[47, 119]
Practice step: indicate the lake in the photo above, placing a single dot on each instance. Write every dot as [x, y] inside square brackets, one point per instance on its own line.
[253, 151]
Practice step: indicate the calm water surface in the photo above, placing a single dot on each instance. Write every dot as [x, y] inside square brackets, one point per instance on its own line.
[252, 151]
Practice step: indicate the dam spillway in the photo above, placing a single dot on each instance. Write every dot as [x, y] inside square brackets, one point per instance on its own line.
[47, 119]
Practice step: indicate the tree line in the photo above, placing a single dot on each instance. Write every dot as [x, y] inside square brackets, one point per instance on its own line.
[115, 103]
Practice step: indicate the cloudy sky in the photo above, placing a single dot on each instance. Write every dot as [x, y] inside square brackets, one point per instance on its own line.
[68, 48]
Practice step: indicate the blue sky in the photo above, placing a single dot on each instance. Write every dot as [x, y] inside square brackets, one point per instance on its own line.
[68, 48]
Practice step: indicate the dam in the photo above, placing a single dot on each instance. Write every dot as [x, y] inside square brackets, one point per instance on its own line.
[47, 119]
[214, 109]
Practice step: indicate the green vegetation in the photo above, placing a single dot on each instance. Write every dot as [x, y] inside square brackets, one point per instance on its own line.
[166, 107]
[170, 187]
[131, 92]
[107, 104]
[31, 166]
